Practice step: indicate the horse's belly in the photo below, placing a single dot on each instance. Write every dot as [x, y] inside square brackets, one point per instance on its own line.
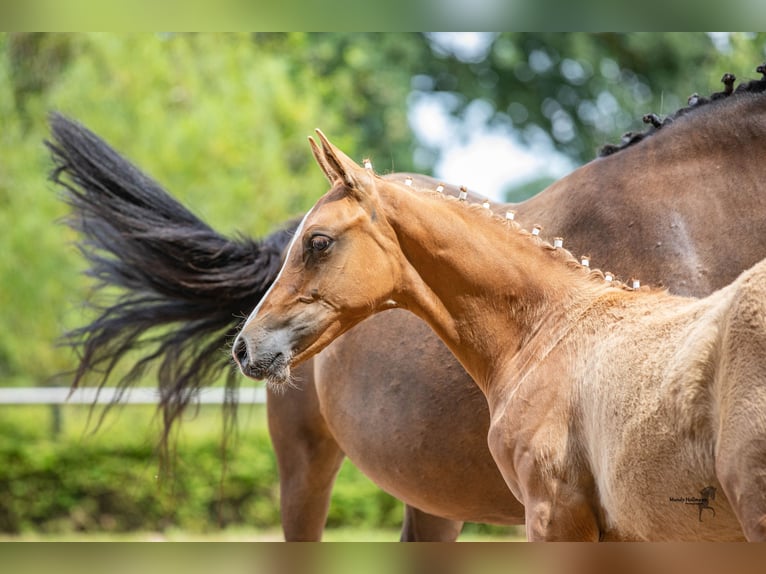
[409, 417]
[455, 478]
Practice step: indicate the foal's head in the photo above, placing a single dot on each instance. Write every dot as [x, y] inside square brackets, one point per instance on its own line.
[340, 268]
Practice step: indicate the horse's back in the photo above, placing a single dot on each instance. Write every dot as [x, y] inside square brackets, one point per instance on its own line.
[675, 210]
[743, 346]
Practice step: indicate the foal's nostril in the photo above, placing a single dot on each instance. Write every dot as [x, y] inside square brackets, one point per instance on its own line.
[239, 350]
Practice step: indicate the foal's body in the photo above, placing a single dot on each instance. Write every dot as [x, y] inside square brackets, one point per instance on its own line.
[605, 403]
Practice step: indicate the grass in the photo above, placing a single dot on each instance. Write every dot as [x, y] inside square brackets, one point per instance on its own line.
[237, 535]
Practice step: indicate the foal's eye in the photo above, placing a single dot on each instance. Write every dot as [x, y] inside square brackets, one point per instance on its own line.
[319, 243]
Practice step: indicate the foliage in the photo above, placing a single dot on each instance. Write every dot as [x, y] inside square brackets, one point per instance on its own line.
[365, 79]
[80, 477]
[584, 90]
[107, 480]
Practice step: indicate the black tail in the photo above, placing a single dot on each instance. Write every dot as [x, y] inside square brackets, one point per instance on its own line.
[183, 288]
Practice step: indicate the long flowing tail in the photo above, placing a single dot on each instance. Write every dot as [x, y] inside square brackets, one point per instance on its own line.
[182, 288]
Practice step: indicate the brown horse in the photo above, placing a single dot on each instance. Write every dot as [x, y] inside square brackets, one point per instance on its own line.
[605, 400]
[679, 206]
[682, 207]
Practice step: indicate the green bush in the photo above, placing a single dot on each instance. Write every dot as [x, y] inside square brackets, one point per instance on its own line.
[79, 478]
[107, 479]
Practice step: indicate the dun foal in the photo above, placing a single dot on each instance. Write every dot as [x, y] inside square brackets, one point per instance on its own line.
[617, 412]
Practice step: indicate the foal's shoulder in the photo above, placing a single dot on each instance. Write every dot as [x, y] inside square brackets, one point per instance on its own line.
[756, 275]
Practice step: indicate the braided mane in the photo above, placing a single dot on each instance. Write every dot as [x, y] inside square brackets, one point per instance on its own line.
[695, 102]
[562, 254]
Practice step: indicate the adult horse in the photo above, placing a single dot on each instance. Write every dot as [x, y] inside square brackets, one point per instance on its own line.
[605, 400]
[681, 206]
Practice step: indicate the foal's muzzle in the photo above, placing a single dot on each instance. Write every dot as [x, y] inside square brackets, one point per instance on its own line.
[270, 364]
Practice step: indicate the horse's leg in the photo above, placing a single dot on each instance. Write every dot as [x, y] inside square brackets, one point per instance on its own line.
[741, 469]
[308, 457]
[560, 513]
[420, 526]
[740, 459]
[556, 507]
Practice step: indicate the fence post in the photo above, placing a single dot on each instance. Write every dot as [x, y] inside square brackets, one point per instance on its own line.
[56, 422]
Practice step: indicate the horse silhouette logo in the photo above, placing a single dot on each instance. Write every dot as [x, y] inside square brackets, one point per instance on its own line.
[703, 502]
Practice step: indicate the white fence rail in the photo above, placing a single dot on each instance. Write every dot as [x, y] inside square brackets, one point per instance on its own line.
[134, 396]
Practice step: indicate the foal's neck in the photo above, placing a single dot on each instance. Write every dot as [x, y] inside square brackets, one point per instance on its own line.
[484, 286]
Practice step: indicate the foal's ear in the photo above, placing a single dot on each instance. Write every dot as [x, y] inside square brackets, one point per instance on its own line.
[337, 165]
[329, 173]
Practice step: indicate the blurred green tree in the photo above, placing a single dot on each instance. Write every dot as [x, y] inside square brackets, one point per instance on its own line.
[583, 90]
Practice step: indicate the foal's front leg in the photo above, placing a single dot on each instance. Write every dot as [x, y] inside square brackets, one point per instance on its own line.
[561, 516]
[559, 506]
[530, 448]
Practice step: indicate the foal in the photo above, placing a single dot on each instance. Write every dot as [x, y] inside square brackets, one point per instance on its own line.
[611, 407]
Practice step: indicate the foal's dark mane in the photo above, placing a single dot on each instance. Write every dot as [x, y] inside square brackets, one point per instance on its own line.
[695, 103]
